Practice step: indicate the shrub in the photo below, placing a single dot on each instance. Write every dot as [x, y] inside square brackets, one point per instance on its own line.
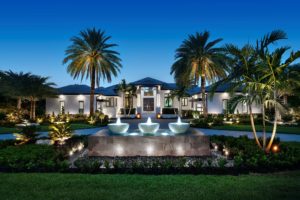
[169, 111]
[31, 158]
[201, 123]
[59, 132]
[287, 118]
[126, 111]
[88, 165]
[28, 135]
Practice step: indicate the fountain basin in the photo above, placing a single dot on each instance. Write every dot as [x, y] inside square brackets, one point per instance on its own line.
[118, 128]
[178, 128]
[148, 128]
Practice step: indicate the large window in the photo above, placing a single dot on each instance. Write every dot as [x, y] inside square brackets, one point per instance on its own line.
[168, 100]
[128, 101]
[110, 102]
[184, 101]
[225, 106]
[244, 107]
[81, 107]
[62, 107]
[148, 91]
[148, 104]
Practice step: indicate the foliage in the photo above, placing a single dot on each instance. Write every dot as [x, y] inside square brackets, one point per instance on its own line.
[31, 158]
[59, 132]
[197, 58]
[27, 135]
[169, 111]
[91, 56]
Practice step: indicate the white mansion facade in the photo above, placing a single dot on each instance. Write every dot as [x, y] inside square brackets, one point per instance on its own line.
[151, 98]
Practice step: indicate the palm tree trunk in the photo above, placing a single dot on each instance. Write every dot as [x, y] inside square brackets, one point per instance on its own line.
[203, 93]
[19, 104]
[92, 94]
[274, 126]
[33, 109]
[253, 126]
[263, 124]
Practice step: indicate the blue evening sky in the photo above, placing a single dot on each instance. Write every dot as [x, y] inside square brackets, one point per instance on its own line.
[34, 34]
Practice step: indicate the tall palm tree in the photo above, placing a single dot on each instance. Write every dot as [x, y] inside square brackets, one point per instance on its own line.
[198, 58]
[274, 77]
[261, 75]
[90, 56]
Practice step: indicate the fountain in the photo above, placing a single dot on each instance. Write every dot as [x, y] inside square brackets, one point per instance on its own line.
[148, 127]
[179, 127]
[118, 127]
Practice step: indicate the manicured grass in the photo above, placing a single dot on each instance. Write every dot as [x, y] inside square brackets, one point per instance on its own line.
[85, 186]
[241, 127]
[46, 128]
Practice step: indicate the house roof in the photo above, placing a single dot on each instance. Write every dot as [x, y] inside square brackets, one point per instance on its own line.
[74, 89]
[224, 87]
[148, 82]
[108, 91]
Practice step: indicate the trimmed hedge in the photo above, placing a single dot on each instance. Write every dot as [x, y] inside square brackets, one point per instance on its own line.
[31, 158]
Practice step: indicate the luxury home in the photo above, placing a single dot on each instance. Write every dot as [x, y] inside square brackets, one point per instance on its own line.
[153, 96]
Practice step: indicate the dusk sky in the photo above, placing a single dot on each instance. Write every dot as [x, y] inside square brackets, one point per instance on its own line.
[35, 34]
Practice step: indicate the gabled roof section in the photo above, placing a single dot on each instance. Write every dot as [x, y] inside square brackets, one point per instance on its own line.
[148, 82]
[74, 89]
[108, 91]
[224, 87]
[169, 86]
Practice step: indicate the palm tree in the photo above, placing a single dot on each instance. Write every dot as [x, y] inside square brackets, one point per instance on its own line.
[90, 56]
[122, 87]
[199, 59]
[38, 87]
[261, 75]
[276, 80]
[14, 85]
[243, 75]
[128, 90]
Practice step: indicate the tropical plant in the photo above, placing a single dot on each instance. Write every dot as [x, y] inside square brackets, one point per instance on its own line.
[38, 88]
[261, 76]
[90, 56]
[197, 58]
[14, 85]
[179, 93]
[27, 135]
[129, 91]
[60, 132]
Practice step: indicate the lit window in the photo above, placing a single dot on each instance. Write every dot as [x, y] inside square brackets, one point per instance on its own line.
[168, 100]
[81, 107]
[110, 102]
[225, 106]
[62, 107]
[184, 101]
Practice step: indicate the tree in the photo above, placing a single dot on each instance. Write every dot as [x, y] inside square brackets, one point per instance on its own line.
[38, 87]
[199, 59]
[128, 91]
[261, 75]
[14, 85]
[90, 56]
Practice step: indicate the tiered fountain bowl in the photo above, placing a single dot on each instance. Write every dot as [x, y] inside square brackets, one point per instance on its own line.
[118, 127]
[179, 127]
[148, 127]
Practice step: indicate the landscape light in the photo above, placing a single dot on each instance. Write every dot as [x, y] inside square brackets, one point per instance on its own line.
[275, 148]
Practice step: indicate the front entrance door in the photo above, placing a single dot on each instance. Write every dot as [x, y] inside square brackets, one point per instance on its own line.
[148, 104]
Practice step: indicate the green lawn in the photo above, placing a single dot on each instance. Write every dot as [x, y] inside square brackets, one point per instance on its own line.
[46, 128]
[85, 186]
[240, 127]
